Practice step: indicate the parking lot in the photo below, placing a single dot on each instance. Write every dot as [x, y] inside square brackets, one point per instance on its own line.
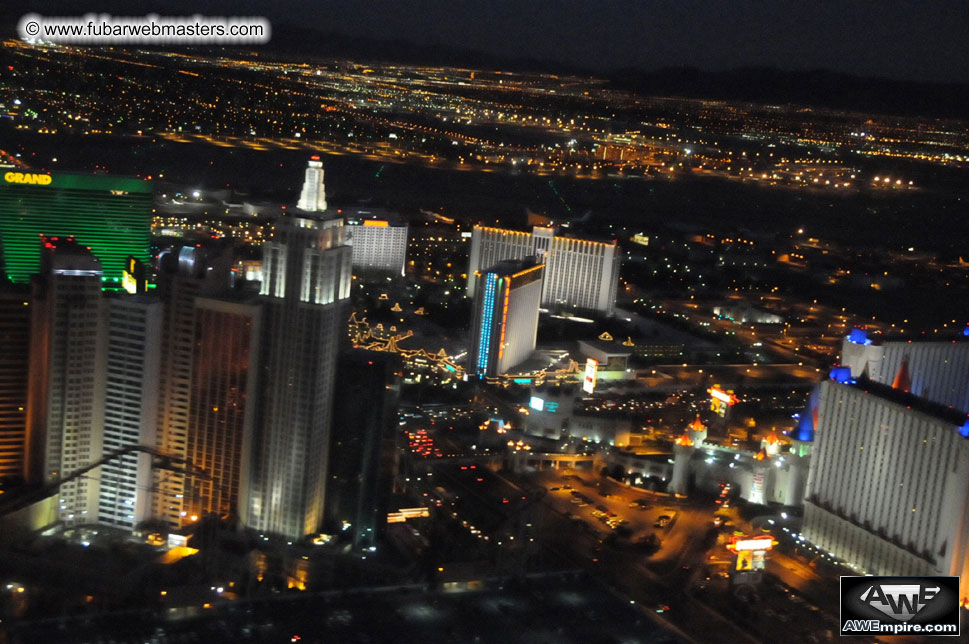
[613, 510]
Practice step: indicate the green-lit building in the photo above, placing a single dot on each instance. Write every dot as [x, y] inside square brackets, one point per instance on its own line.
[110, 215]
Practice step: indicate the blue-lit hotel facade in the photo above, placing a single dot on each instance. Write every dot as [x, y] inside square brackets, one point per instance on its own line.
[505, 320]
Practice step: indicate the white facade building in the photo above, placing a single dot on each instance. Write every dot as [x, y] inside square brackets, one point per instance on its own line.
[934, 370]
[175, 379]
[770, 475]
[887, 492]
[552, 414]
[579, 273]
[306, 290]
[746, 313]
[130, 407]
[378, 239]
[65, 408]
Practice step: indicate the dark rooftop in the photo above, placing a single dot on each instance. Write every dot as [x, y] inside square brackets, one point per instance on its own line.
[508, 267]
[911, 401]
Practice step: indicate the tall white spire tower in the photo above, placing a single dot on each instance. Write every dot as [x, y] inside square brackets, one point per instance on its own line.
[305, 303]
[313, 196]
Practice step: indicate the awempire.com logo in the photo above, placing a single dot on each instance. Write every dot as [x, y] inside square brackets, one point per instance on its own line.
[900, 606]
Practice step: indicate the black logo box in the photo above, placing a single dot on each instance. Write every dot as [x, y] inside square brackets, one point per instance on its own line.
[943, 608]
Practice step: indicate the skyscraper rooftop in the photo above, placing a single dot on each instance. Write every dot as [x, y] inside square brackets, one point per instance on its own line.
[312, 198]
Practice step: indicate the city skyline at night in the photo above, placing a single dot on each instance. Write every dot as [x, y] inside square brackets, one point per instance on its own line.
[515, 322]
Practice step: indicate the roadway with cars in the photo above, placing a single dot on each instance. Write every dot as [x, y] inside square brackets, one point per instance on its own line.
[578, 518]
[681, 578]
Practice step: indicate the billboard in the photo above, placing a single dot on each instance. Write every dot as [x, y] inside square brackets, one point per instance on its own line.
[536, 403]
[738, 544]
[591, 371]
[720, 400]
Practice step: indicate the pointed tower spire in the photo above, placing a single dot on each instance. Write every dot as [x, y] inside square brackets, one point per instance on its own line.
[696, 432]
[771, 445]
[903, 380]
[697, 425]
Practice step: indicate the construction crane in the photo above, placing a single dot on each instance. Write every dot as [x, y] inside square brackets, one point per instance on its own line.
[160, 460]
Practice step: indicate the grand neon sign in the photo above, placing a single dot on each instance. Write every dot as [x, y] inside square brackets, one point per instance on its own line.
[31, 178]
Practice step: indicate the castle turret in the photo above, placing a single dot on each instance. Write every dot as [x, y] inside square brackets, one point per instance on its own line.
[758, 479]
[771, 445]
[696, 432]
[683, 449]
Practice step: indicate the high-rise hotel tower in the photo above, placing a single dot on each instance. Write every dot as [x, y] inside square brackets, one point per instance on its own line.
[65, 413]
[305, 295]
[14, 367]
[504, 324]
[578, 273]
[130, 406]
[887, 492]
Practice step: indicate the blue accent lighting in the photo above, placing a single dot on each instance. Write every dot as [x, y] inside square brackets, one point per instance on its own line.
[487, 314]
[859, 336]
[841, 375]
[804, 430]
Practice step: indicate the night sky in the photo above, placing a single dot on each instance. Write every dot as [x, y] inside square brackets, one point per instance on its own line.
[907, 40]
